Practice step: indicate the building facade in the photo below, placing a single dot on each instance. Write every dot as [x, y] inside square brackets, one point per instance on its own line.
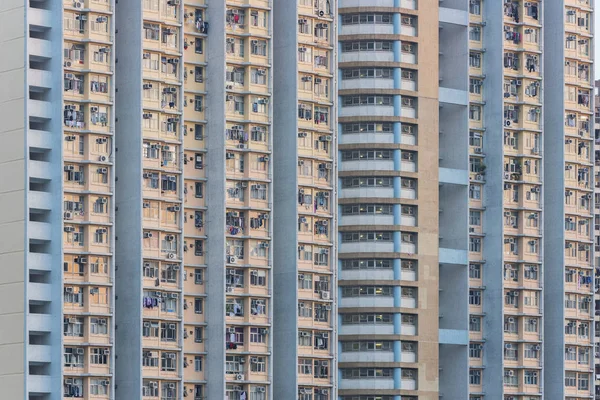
[58, 238]
[185, 224]
[388, 200]
[305, 176]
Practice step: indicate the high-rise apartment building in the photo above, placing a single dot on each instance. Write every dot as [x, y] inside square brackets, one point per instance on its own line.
[516, 284]
[184, 227]
[196, 192]
[388, 200]
[530, 200]
[58, 189]
[304, 144]
[180, 220]
[597, 240]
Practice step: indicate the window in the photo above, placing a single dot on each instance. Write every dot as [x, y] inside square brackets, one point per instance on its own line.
[198, 306]
[198, 335]
[258, 278]
[475, 192]
[475, 245]
[168, 361]
[532, 351]
[99, 356]
[258, 335]
[474, 377]
[530, 377]
[475, 86]
[475, 324]
[475, 60]
[570, 379]
[73, 326]
[475, 33]
[475, 350]
[361, 46]
[73, 387]
[98, 386]
[475, 271]
[74, 357]
[511, 377]
[583, 381]
[475, 7]
[475, 297]
[348, 237]
[475, 112]
[168, 332]
[366, 19]
[258, 47]
[98, 326]
[510, 325]
[198, 103]
[361, 100]
[351, 319]
[531, 325]
[358, 291]
[198, 363]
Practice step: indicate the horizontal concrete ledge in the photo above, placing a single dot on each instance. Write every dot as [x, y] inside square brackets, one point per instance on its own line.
[453, 256]
[454, 96]
[452, 16]
[453, 176]
[454, 336]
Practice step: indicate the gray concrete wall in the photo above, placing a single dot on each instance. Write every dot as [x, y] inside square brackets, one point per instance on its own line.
[12, 199]
[285, 164]
[493, 195]
[128, 201]
[554, 198]
[215, 200]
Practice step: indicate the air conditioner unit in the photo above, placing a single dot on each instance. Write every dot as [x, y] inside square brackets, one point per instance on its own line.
[106, 352]
[102, 170]
[510, 320]
[325, 295]
[69, 229]
[232, 259]
[260, 389]
[239, 377]
[147, 86]
[68, 215]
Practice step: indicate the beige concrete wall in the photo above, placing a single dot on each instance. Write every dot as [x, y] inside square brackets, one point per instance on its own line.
[12, 196]
[428, 198]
